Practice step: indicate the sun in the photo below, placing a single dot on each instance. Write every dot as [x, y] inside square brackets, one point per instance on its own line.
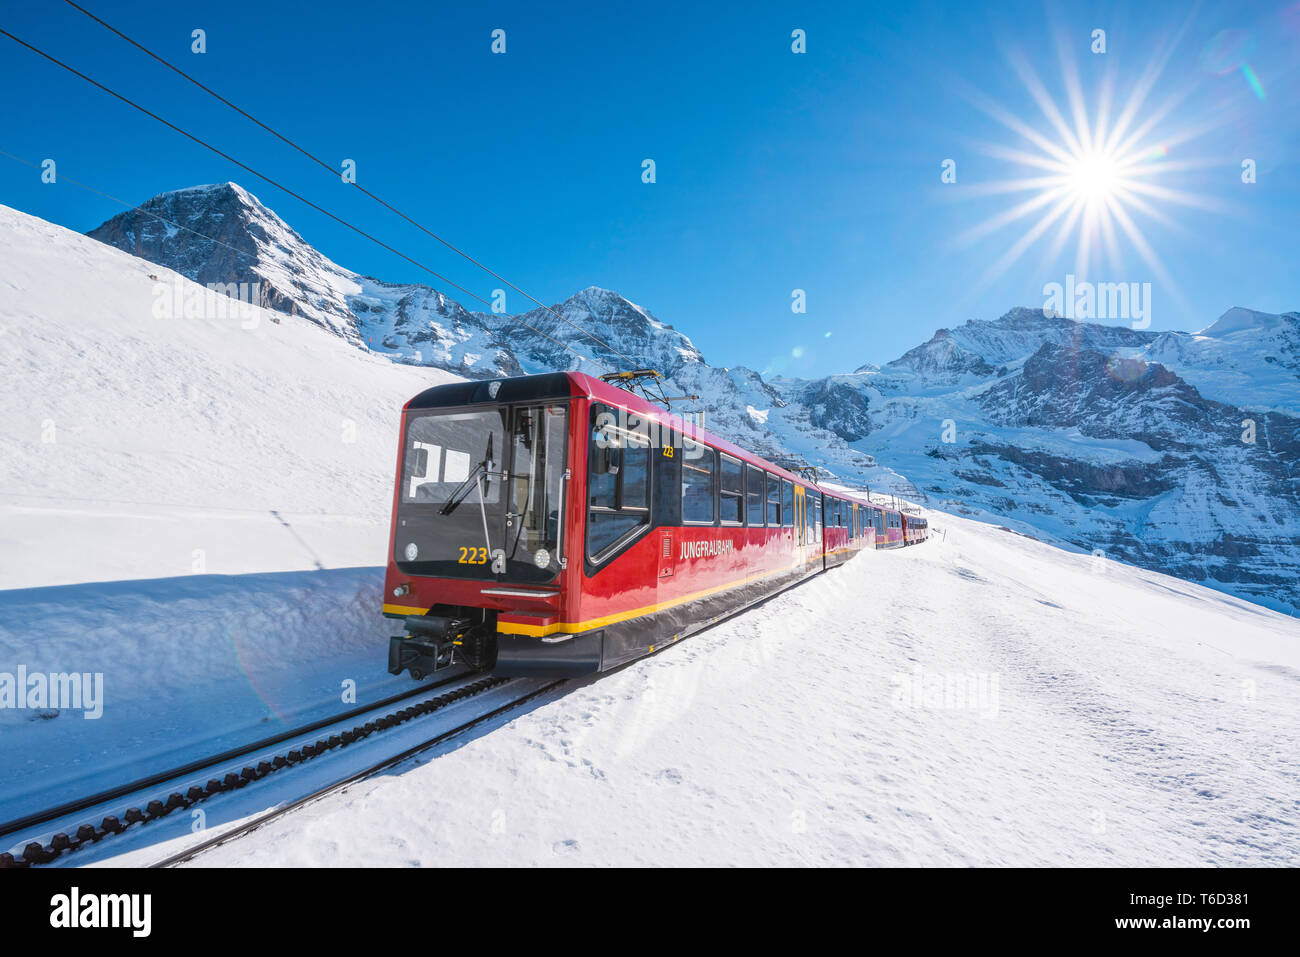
[1094, 173]
[1094, 177]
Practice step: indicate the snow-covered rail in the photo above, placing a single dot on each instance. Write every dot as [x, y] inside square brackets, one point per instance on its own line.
[43, 847]
[252, 825]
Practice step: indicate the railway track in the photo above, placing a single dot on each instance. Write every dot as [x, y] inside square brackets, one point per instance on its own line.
[336, 733]
[250, 826]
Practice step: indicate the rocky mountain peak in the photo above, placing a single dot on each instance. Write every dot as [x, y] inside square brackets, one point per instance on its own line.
[221, 233]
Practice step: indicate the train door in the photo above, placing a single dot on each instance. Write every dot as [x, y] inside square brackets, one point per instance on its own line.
[819, 525]
[800, 514]
[666, 493]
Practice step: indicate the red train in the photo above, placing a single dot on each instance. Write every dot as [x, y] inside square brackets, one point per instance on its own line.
[559, 525]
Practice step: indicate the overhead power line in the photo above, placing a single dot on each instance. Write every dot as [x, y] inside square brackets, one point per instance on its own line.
[279, 186]
[334, 172]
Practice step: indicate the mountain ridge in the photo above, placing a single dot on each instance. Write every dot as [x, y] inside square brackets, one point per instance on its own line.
[1100, 437]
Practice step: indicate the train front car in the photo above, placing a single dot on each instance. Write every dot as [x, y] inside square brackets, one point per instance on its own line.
[480, 528]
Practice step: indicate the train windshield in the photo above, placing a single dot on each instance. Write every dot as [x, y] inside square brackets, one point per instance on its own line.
[482, 493]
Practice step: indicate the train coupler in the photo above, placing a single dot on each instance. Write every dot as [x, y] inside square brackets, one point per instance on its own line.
[430, 646]
[421, 656]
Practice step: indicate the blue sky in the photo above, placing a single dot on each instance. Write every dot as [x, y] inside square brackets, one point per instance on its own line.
[775, 171]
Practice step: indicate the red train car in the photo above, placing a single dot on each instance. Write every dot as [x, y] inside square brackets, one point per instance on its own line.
[558, 525]
[915, 529]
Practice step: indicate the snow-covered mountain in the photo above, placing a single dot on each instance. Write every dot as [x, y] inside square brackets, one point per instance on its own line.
[1165, 449]
[1076, 431]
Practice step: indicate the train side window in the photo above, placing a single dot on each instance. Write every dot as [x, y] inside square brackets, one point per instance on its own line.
[755, 496]
[731, 492]
[787, 503]
[773, 500]
[817, 518]
[618, 483]
[699, 481]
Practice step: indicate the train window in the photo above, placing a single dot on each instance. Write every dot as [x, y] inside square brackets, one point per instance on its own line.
[606, 528]
[754, 495]
[618, 483]
[787, 503]
[817, 518]
[699, 479]
[731, 491]
[443, 449]
[773, 500]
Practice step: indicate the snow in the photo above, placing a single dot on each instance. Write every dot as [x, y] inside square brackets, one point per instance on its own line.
[130, 442]
[1240, 319]
[1127, 718]
[198, 510]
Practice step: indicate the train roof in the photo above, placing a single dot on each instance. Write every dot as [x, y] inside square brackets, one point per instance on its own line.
[564, 385]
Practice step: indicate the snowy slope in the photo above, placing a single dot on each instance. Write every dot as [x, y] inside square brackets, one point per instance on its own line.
[129, 440]
[225, 483]
[1115, 717]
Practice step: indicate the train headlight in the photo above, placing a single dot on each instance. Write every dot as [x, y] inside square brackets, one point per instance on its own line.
[541, 558]
[412, 551]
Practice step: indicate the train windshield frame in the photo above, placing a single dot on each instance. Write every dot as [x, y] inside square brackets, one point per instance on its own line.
[481, 492]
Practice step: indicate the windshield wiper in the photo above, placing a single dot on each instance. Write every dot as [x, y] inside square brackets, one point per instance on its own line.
[462, 490]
